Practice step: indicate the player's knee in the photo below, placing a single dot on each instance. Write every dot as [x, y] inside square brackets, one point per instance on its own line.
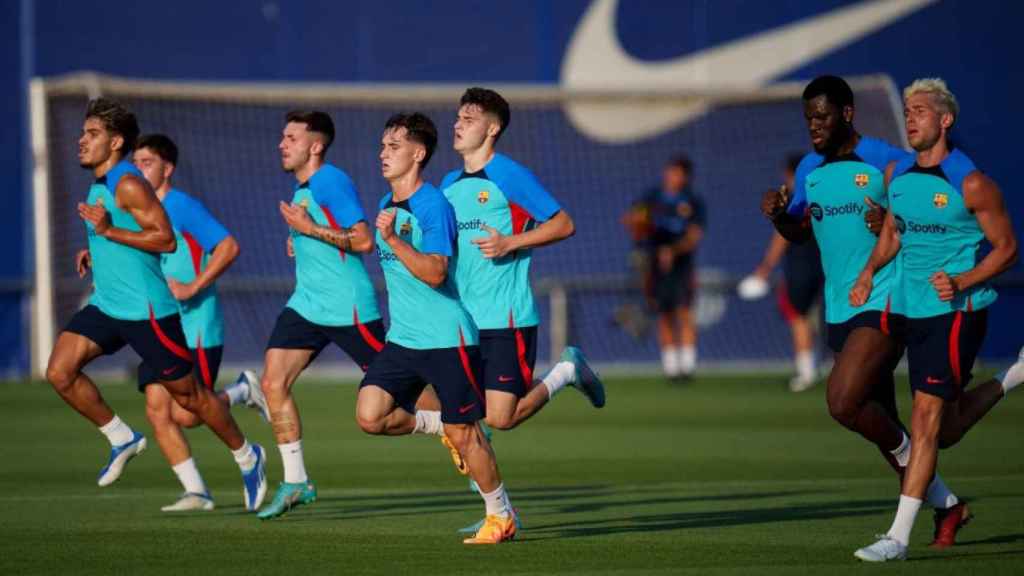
[843, 410]
[460, 435]
[184, 418]
[272, 388]
[500, 421]
[59, 377]
[371, 424]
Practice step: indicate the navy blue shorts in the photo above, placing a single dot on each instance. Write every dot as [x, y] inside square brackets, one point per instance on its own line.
[453, 372]
[941, 351]
[361, 342]
[888, 323]
[676, 288]
[160, 342]
[801, 288]
[508, 356]
[205, 368]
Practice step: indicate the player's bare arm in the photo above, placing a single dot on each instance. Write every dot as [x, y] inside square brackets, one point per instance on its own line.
[135, 197]
[224, 254]
[431, 269]
[886, 248]
[983, 197]
[773, 206]
[495, 244]
[83, 262]
[355, 239]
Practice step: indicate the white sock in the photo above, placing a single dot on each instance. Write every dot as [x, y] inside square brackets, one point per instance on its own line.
[904, 522]
[687, 359]
[428, 422]
[294, 465]
[245, 456]
[188, 475]
[559, 375]
[237, 393]
[805, 367]
[497, 502]
[1012, 376]
[939, 496]
[902, 452]
[669, 362]
[117, 432]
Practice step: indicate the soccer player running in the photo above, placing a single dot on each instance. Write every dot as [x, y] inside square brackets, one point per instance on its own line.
[676, 221]
[942, 207]
[801, 288]
[431, 338]
[832, 184]
[502, 213]
[131, 303]
[204, 251]
[334, 300]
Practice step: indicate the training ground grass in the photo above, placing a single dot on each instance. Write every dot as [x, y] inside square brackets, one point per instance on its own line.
[725, 475]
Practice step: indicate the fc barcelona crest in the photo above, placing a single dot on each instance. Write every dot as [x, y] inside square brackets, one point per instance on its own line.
[483, 196]
[406, 228]
[304, 203]
[861, 180]
[684, 210]
[940, 200]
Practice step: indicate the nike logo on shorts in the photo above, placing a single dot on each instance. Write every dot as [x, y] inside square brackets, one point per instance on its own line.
[505, 378]
[467, 408]
[168, 371]
[930, 380]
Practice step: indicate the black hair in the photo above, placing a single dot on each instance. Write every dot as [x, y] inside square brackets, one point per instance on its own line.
[491, 103]
[835, 89]
[161, 145]
[116, 119]
[315, 121]
[681, 161]
[418, 128]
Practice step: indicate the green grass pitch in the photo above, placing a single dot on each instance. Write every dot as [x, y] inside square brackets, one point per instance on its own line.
[726, 475]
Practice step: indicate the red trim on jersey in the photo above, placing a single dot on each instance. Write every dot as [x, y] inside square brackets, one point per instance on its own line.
[196, 250]
[520, 217]
[164, 340]
[368, 336]
[884, 321]
[954, 346]
[789, 313]
[467, 367]
[204, 365]
[334, 224]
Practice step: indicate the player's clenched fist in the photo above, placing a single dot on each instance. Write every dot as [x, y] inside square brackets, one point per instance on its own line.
[83, 262]
[386, 224]
[96, 215]
[861, 290]
[774, 202]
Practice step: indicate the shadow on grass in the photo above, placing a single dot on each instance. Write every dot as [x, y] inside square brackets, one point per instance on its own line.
[711, 519]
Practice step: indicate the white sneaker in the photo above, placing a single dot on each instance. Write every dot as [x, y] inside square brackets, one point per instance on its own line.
[256, 399]
[801, 383]
[882, 551]
[190, 501]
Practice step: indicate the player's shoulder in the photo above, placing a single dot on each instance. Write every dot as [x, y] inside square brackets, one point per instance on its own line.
[809, 162]
[450, 178]
[502, 168]
[958, 166]
[330, 176]
[879, 153]
[119, 171]
[384, 201]
[428, 197]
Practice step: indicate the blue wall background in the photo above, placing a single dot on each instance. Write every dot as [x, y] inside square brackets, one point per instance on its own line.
[969, 43]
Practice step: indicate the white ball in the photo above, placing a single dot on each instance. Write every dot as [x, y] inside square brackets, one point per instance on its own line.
[752, 288]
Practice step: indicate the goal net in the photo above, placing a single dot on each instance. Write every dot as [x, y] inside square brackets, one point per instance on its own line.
[587, 293]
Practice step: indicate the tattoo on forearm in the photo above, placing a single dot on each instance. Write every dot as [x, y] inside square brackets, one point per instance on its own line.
[282, 423]
[341, 238]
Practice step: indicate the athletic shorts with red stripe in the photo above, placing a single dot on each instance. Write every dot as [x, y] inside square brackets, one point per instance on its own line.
[453, 372]
[361, 342]
[941, 351]
[892, 324]
[508, 356]
[160, 342]
[205, 368]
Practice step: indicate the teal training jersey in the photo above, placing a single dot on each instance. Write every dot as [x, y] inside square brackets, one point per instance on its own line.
[937, 232]
[507, 197]
[127, 282]
[332, 287]
[832, 191]
[422, 317]
[198, 233]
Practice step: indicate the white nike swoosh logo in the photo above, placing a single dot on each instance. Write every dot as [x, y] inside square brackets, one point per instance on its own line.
[595, 60]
